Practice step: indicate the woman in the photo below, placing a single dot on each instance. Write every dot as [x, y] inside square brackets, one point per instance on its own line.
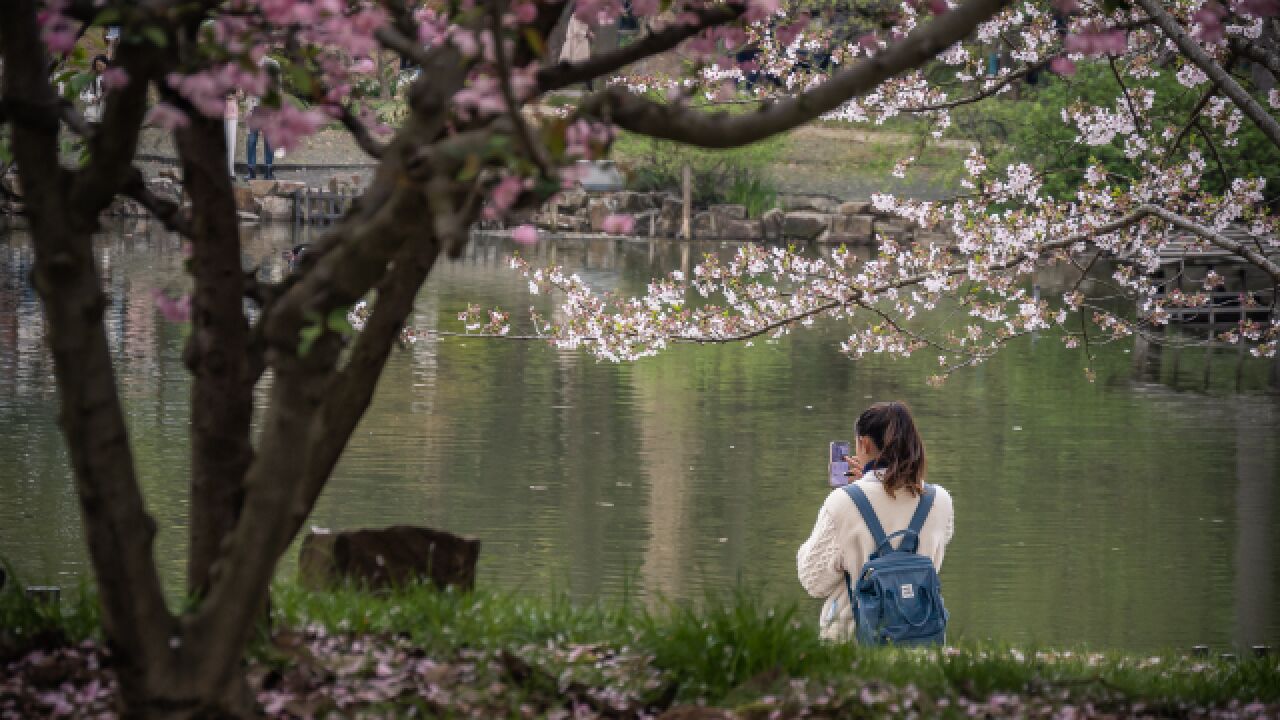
[94, 94]
[577, 43]
[889, 463]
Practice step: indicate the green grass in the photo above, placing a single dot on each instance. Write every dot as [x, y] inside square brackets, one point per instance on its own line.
[734, 646]
[731, 649]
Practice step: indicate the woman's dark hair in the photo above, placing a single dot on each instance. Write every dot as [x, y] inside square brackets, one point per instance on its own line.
[100, 58]
[890, 427]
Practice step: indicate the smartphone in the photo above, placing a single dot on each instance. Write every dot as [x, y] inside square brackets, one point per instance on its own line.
[837, 466]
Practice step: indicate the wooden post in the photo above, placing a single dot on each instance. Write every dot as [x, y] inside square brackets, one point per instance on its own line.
[686, 198]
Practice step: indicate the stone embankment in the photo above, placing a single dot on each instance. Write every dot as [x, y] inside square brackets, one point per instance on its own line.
[799, 218]
[256, 200]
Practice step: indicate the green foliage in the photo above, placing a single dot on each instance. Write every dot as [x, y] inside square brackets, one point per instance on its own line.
[1031, 130]
[26, 621]
[719, 176]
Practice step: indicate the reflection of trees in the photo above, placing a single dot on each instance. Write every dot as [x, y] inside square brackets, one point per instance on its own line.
[1255, 570]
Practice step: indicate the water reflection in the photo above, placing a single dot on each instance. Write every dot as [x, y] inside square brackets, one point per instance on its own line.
[1129, 512]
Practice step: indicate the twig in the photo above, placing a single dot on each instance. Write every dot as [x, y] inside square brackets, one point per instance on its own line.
[525, 138]
[167, 212]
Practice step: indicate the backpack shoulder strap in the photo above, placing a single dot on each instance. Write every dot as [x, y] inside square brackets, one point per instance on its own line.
[922, 509]
[868, 513]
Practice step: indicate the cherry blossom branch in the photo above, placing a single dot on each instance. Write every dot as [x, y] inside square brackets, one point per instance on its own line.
[565, 74]
[719, 130]
[993, 90]
[1183, 223]
[531, 147]
[1196, 54]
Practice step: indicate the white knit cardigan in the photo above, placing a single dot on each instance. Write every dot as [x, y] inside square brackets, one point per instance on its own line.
[841, 541]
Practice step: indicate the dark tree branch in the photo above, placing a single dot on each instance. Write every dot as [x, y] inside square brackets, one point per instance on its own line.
[167, 212]
[361, 134]
[566, 74]
[1255, 53]
[1220, 77]
[720, 130]
[533, 150]
[1191, 122]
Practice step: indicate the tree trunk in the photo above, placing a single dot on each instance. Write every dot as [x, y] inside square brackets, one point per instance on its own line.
[216, 352]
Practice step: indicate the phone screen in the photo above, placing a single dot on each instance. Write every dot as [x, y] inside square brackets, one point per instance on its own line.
[837, 466]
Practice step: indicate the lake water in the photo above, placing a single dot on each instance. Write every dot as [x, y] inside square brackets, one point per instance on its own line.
[1138, 512]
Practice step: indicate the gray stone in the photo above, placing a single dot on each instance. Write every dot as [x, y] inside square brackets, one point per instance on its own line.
[669, 217]
[804, 224]
[897, 230]
[246, 202]
[570, 201]
[815, 203]
[388, 557]
[855, 207]
[262, 188]
[932, 237]
[247, 218]
[287, 187]
[852, 228]
[633, 202]
[713, 224]
[275, 208]
[771, 224]
[737, 212]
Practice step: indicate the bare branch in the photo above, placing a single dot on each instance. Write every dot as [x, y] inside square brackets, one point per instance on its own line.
[1196, 54]
[720, 130]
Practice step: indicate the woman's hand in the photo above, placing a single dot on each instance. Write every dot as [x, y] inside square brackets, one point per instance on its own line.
[855, 468]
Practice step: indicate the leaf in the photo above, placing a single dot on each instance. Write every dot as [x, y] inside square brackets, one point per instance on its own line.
[156, 36]
[534, 38]
[337, 321]
[307, 337]
[108, 16]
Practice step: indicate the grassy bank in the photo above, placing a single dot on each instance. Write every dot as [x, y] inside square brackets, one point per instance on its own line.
[509, 655]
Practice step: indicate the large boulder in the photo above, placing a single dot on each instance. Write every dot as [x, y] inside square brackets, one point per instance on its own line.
[848, 230]
[896, 229]
[771, 224]
[276, 208]
[570, 201]
[814, 203]
[246, 201]
[854, 207]
[713, 224]
[804, 224]
[388, 557]
[737, 212]
[633, 202]
[669, 217]
[262, 187]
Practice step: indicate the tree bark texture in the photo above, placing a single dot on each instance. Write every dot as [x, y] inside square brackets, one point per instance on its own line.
[217, 350]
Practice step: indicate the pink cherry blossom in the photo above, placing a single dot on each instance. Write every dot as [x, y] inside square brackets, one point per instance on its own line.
[525, 234]
[167, 116]
[175, 310]
[1063, 66]
[286, 126]
[618, 224]
[115, 78]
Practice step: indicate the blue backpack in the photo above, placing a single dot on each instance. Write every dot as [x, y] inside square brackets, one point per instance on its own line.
[897, 598]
